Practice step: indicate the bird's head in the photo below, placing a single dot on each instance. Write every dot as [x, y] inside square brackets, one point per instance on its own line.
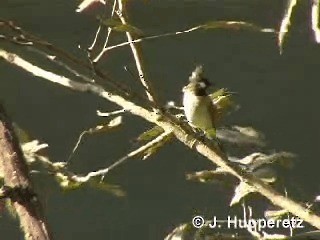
[198, 82]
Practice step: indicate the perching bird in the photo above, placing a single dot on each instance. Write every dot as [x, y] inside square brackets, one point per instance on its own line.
[198, 107]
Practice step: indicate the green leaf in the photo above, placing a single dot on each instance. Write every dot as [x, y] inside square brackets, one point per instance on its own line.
[114, 123]
[22, 135]
[156, 147]
[103, 128]
[222, 99]
[72, 182]
[110, 22]
[234, 25]
[120, 27]
[276, 214]
[242, 190]
[66, 182]
[150, 134]
[217, 176]
[128, 28]
[107, 187]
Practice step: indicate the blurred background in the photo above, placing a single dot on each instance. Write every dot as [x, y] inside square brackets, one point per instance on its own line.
[278, 95]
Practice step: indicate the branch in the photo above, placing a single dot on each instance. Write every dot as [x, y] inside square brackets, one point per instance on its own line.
[152, 37]
[132, 154]
[137, 56]
[285, 23]
[315, 19]
[183, 133]
[107, 38]
[232, 25]
[18, 187]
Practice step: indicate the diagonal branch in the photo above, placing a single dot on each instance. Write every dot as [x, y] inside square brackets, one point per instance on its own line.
[170, 124]
[19, 189]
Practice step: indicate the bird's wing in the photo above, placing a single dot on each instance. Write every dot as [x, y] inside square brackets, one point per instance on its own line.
[212, 109]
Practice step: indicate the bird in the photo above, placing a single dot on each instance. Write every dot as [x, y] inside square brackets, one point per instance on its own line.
[199, 109]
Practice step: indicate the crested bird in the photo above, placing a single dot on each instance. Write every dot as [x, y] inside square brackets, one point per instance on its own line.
[199, 109]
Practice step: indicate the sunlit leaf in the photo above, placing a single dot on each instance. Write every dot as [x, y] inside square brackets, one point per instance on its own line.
[72, 182]
[240, 192]
[222, 99]
[244, 137]
[202, 176]
[117, 25]
[57, 166]
[150, 134]
[109, 22]
[249, 131]
[31, 149]
[266, 174]
[275, 214]
[220, 92]
[86, 4]
[102, 128]
[107, 187]
[22, 135]
[256, 160]
[116, 122]
[156, 147]
[213, 176]
[66, 182]
[234, 25]
[128, 28]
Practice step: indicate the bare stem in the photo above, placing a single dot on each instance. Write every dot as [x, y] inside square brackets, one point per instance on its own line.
[137, 54]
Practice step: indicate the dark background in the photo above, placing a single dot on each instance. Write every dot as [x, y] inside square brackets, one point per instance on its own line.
[277, 94]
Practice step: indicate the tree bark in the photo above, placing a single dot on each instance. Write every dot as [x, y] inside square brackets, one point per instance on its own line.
[17, 184]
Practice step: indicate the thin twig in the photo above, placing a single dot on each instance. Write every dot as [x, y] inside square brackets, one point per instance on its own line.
[62, 64]
[151, 37]
[137, 54]
[108, 35]
[189, 30]
[25, 38]
[132, 154]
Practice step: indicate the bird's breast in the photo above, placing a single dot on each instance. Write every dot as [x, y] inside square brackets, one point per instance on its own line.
[197, 110]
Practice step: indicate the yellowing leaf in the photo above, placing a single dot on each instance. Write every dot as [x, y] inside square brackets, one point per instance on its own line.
[150, 134]
[120, 27]
[235, 25]
[240, 192]
[22, 135]
[113, 124]
[156, 147]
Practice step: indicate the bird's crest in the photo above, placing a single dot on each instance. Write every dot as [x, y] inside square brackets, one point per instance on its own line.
[197, 78]
[197, 74]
